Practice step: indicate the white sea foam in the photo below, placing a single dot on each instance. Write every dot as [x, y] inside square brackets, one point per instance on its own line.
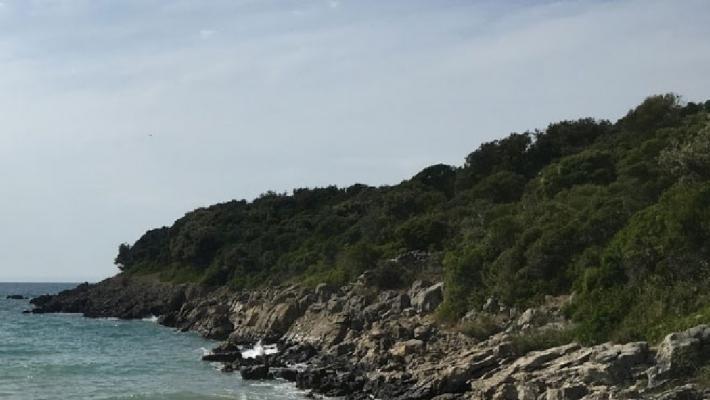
[260, 350]
[152, 318]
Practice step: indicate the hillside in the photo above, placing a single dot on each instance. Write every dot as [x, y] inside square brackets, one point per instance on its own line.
[618, 213]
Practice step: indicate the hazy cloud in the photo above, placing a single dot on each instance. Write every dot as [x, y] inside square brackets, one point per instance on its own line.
[120, 116]
[207, 33]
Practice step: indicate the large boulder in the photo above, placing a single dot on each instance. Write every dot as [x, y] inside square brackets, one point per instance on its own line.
[680, 353]
[323, 292]
[403, 349]
[255, 372]
[285, 373]
[428, 299]
[211, 321]
[533, 317]
[330, 382]
[266, 314]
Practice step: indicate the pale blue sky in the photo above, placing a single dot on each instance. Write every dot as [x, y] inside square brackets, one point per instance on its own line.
[241, 97]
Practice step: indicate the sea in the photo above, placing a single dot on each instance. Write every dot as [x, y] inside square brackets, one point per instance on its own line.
[67, 356]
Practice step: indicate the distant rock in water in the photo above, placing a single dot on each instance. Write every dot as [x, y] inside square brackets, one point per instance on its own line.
[16, 297]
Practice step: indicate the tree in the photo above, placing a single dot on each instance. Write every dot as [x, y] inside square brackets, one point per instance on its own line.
[690, 159]
[440, 177]
[123, 259]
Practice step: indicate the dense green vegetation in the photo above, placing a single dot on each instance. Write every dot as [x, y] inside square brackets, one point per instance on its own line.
[618, 213]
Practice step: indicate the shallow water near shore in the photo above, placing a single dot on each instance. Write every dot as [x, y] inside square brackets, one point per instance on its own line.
[66, 356]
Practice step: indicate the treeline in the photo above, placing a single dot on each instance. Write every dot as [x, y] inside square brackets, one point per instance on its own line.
[618, 213]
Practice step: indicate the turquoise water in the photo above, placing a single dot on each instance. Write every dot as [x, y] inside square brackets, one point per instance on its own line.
[65, 356]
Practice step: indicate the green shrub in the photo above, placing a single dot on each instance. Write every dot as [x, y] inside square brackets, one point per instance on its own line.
[482, 327]
[590, 167]
[541, 339]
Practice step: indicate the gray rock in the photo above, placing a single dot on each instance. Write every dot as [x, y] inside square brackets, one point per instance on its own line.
[507, 391]
[678, 353]
[567, 392]
[289, 374]
[536, 359]
[423, 332]
[428, 299]
[449, 396]
[490, 306]
[403, 349]
[255, 372]
[526, 391]
[323, 292]
[533, 317]
[685, 392]
[700, 332]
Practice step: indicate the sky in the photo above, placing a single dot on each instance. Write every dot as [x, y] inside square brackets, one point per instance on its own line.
[121, 116]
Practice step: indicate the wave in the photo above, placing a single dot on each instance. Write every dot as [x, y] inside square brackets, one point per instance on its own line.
[260, 350]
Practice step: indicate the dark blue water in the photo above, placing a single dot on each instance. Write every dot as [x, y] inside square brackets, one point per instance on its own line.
[64, 356]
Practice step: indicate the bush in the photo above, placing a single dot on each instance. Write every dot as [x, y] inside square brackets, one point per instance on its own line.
[423, 233]
[689, 158]
[482, 327]
[500, 187]
[655, 112]
[523, 343]
[592, 167]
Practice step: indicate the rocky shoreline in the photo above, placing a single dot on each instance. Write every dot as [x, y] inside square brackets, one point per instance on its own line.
[356, 342]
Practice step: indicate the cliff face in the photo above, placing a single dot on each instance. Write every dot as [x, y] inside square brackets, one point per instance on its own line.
[358, 342]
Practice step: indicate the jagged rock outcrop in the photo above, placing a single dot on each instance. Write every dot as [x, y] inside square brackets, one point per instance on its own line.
[120, 296]
[358, 343]
[426, 299]
[680, 353]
